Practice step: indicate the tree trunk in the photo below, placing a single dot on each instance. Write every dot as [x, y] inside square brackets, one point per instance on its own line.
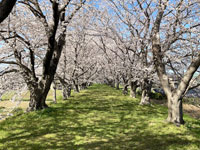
[175, 112]
[6, 7]
[64, 92]
[145, 99]
[37, 99]
[110, 82]
[35, 103]
[69, 89]
[84, 85]
[54, 92]
[113, 84]
[125, 89]
[117, 85]
[90, 84]
[38, 93]
[146, 90]
[117, 81]
[55, 44]
[76, 88]
[133, 86]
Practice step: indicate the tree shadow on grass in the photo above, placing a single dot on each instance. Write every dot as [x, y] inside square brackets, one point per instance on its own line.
[90, 121]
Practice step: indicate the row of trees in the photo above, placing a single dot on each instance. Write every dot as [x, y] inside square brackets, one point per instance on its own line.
[34, 40]
[159, 38]
[129, 42]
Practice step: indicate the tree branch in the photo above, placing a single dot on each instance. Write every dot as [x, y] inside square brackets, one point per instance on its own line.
[6, 7]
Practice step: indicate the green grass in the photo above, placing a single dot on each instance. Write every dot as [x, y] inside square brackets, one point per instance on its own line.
[99, 118]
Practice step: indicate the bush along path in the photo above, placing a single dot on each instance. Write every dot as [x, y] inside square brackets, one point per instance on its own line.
[99, 118]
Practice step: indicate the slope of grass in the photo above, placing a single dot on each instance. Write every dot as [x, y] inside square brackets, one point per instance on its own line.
[99, 118]
[7, 105]
[26, 95]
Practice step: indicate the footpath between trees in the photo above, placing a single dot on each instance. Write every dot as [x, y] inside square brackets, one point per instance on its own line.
[99, 118]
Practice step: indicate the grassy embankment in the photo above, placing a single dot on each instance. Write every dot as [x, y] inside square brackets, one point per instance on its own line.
[20, 103]
[99, 118]
[26, 95]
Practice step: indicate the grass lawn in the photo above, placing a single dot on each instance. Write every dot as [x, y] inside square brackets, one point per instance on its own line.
[99, 118]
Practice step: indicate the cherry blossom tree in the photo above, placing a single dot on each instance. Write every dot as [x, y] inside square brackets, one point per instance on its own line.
[179, 27]
[127, 42]
[131, 45]
[50, 23]
[78, 62]
[6, 7]
[168, 31]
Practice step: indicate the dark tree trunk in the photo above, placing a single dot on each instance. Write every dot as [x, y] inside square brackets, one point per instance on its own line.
[117, 81]
[146, 90]
[133, 88]
[37, 99]
[110, 82]
[38, 92]
[6, 7]
[90, 84]
[125, 89]
[113, 83]
[117, 84]
[76, 88]
[69, 90]
[84, 85]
